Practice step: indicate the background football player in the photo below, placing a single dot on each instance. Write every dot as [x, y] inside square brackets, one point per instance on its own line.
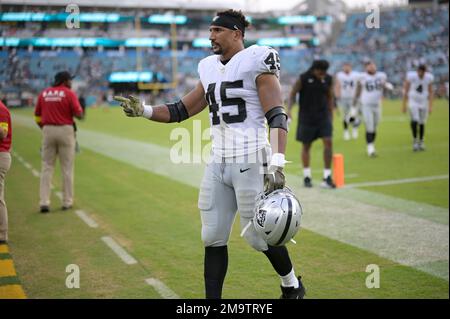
[370, 88]
[418, 95]
[315, 117]
[242, 88]
[345, 89]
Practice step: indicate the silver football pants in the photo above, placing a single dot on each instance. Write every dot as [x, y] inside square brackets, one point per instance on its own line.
[227, 187]
[372, 116]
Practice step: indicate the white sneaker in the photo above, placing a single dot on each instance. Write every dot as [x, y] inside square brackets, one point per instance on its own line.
[371, 150]
[346, 135]
[421, 146]
[416, 146]
[355, 134]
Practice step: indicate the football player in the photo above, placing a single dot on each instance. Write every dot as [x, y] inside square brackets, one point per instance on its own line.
[418, 95]
[370, 88]
[242, 89]
[345, 88]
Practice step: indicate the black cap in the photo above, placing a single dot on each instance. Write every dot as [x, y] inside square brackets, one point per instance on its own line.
[321, 65]
[422, 67]
[62, 76]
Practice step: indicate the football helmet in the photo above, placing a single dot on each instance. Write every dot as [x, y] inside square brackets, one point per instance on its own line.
[277, 216]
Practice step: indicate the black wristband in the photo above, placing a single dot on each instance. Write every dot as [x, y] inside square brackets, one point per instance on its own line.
[177, 111]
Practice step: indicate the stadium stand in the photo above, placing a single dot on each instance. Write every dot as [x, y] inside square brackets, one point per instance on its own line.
[404, 37]
[415, 35]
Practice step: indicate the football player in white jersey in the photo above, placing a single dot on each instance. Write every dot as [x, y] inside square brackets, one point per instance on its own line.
[345, 89]
[418, 96]
[242, 88]
[370, 88]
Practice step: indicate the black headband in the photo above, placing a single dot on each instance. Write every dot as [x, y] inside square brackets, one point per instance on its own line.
[228, 22]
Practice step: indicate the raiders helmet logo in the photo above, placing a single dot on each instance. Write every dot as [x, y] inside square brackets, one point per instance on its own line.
[261, 217]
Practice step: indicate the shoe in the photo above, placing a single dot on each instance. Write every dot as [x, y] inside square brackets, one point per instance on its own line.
[328, 183]
[66, 207]
[44, 209]
[3, 242]
[307, 182]
[416, 145]
[346, 135]
[371, 150]
[421, 146]
[293, 293]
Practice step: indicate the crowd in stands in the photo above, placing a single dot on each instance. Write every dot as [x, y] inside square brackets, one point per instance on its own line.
[406, 37]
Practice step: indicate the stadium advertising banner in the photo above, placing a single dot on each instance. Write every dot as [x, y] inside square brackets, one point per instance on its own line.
[84, 42]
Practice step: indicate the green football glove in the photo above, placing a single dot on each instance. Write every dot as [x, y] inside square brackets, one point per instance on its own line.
[132, 106]
[274, 180]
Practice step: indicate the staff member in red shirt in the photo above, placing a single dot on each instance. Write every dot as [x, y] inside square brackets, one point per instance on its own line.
[56, 107]
[5, 164]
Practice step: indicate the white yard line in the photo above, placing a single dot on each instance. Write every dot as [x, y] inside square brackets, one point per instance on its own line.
[85, 217]
[395, 235]
[388, 231]
[158, 285]
[119, 251]
[162, 289]
[35, 173]
[398, 181]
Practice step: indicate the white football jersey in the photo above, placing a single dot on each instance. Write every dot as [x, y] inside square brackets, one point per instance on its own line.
[418, 90]
[238, 124]
[348, 83]
[372, 87]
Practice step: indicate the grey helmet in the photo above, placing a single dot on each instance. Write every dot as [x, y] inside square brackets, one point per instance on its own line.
[277, 216]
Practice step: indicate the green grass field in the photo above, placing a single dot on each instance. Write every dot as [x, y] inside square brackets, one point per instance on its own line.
[155, 217]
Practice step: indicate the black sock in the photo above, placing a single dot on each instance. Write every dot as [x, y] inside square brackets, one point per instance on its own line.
[421, 131]
[345, 125]
[216, 264]
[279, 258]
[370, 137]
[414, 129]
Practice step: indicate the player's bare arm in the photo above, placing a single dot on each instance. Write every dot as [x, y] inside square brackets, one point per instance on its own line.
[270, 96]
[357, 93]
[191, 104]
[295, 89]
[337, 88]
[406, 87]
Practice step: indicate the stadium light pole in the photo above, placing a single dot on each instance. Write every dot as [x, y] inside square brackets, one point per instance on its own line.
[137, 26]
[174, 83]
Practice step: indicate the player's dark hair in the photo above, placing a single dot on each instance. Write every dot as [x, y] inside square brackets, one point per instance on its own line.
[321, 65]
[422, 67]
